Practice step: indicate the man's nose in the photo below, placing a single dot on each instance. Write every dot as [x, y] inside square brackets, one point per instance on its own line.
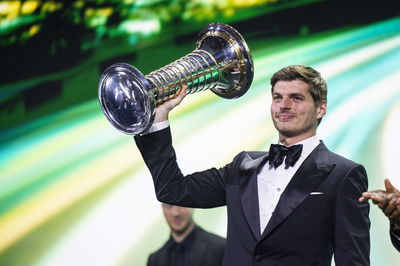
[176, 210]
[285, 103]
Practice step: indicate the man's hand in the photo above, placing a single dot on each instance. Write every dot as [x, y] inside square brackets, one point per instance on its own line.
[388, 201]
[162, 110]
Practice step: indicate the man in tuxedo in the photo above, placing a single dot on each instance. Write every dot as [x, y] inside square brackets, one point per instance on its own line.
[188, 245]
[296, 204]
[389, 202]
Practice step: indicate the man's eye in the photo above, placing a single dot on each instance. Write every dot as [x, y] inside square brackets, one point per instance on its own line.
[298, 99]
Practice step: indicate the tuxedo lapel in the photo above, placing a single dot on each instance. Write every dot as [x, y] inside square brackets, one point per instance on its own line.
[310, 174]
[249, 164]
[248, 191]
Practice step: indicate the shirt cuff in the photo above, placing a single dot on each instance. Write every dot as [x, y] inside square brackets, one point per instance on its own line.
[157, 127]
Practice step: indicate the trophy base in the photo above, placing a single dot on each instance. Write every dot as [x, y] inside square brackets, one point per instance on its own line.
[124, 96]
[223, 41]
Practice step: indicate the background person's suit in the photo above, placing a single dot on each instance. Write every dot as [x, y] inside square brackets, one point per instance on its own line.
[208, 250]
[317, 215]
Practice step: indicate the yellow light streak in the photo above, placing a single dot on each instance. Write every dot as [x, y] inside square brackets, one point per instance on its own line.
[29, 7]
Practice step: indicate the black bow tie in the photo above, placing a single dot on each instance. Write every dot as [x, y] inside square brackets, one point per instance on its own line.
[278, 152]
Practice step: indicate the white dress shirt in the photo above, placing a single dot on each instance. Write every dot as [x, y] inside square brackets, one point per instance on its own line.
[272, 182]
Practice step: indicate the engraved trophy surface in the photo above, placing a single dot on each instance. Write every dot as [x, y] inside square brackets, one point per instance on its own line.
[221, 62]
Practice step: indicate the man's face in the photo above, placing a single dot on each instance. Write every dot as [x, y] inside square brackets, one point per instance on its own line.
[293, 110]
[178, 218]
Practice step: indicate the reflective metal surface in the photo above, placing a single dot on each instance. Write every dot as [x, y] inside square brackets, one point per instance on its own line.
[221, 62]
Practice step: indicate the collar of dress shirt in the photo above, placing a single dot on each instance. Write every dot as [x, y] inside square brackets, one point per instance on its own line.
[309, 145]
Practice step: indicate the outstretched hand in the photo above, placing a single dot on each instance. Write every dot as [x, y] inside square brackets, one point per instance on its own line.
[388, 201]
[162, 110]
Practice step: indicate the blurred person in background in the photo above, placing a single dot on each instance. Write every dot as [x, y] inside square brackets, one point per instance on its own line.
[188, 245]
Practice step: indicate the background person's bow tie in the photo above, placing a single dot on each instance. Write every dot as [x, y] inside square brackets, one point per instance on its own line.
[278, 152]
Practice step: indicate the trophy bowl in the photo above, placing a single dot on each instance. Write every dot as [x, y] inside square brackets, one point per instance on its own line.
[221, 62]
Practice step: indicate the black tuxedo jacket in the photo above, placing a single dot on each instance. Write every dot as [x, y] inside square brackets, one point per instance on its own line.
[208, 250]
[395, 237]
[318, 213]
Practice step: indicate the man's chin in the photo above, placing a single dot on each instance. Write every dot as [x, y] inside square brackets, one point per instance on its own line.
[287, 132]
[284, 128]
[179, 231]
[181, 228]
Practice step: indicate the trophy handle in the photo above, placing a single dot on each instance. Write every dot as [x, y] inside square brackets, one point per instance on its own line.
[221, 63]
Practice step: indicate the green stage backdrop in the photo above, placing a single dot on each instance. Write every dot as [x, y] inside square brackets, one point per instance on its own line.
[75, 191]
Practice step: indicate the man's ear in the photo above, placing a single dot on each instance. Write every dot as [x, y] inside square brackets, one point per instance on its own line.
[322, 109]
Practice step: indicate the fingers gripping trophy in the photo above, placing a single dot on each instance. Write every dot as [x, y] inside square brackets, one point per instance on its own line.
[221, 63]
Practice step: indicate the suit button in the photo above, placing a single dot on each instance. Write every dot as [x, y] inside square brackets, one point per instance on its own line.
[257, 257]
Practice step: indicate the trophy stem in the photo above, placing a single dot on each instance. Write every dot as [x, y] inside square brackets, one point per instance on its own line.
[198, 70]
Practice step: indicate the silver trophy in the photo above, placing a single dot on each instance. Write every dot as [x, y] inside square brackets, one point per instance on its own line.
[221, 62]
